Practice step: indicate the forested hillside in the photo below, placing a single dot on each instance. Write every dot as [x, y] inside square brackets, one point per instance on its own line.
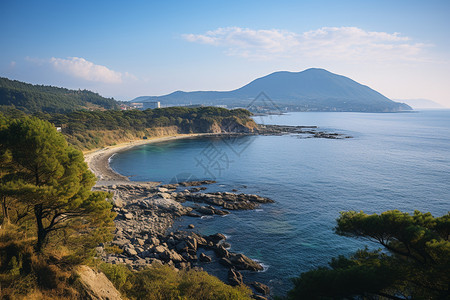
[31, 98]
[95, 129]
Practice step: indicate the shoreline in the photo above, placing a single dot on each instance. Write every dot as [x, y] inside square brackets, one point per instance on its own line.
[147, 210]
[98, 160]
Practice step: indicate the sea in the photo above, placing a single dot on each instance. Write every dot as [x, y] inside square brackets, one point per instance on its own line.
[393, 161]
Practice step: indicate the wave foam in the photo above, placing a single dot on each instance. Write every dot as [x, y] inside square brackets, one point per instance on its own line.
[265, 267]
[110, 158]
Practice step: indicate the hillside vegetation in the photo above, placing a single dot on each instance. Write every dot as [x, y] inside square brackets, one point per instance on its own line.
[414, 262]
[31, 98]
[94, 129]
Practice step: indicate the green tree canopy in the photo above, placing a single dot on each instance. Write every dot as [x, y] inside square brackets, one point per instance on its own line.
[415, 266]
[49, 99]
[51, 181]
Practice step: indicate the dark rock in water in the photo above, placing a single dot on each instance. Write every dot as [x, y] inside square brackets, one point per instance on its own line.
[221, 212]
[205, 258]
[201, 241]
[226, 262]
[215, 238]
[170, 186]
[221, 251]
[260, 288]
[196, 183]
[205, 210]
[193, 214]
[235, 278]
[226, 245]
[197, 189]
[226, 200]
[242, 262]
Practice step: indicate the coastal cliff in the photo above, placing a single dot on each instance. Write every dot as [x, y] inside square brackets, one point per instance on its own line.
[87, 130]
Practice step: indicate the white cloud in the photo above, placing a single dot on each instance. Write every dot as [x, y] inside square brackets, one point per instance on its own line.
[350, 43]
[81, 68]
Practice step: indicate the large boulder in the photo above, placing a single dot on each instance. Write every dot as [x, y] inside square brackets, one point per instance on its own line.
[94, 285]
[205, 210]
[159, 249]
[130, 251]
[216, 238]
[128, 216]
[221, 251]
[191, 243]
[242, 262]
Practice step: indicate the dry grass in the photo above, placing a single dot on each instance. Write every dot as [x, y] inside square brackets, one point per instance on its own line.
[27, 275]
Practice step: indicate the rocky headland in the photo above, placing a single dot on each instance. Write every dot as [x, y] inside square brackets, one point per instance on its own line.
[300, 131]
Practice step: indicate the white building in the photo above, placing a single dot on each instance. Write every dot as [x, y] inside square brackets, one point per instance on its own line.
[151, 105]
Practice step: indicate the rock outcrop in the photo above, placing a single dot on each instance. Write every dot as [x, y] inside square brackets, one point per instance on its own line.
[230, 201]
[260, 288]
[235, 278]
[94, 285]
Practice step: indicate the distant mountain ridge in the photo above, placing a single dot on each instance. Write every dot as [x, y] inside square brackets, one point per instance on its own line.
[421, 103]
[309, 90]
[42, 98]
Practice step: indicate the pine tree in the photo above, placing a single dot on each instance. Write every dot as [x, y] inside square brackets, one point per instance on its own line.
[52, 180]
[415, 263]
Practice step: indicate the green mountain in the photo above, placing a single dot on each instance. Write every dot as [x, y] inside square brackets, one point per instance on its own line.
[309, 90]
[41, 98]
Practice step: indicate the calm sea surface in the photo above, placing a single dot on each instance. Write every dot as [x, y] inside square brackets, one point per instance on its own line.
[395, 161]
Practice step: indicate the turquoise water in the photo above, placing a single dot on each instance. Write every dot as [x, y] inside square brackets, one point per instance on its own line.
[395, 161]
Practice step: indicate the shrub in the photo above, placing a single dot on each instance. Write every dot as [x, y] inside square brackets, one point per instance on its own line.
[164, 282]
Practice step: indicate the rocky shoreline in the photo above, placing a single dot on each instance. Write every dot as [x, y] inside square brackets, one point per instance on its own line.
[146, 211]
[301, 131]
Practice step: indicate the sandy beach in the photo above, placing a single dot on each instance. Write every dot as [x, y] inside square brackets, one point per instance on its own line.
[98, 160]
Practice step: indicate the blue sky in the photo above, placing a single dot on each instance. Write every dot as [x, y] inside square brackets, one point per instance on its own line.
[128, 49]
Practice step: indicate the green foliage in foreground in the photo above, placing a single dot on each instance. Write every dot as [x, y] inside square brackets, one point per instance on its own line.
[417, 267]
[40, 98]
[45, 187]
[163, 282]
